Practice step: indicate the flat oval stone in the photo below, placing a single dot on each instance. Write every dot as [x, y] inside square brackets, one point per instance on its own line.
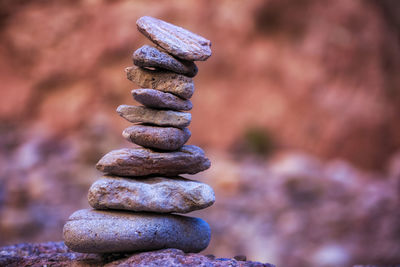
[157, 99]
[154, 194]
[165, 81]
[142, 161]
[151, 57]
[94, 231]
[164, 138]
[176, 40]
[154, 116]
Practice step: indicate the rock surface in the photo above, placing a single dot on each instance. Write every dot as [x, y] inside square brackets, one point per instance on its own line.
[141, 161]
[157, 99]
[164, 81]
[57, 254]
[163, 138]
[155, 194]
[95, 231]
[151, 57]
[176, 40]
[154, 116]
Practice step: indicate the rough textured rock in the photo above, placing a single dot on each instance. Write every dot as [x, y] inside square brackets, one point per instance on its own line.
[151, 57]
[174, 257]
[95, 231]
[176, 40]
[164, 138]
[157, 99]
[155, 194]
[154, 116]
[164, 81]
[57, 254]
[141, 161]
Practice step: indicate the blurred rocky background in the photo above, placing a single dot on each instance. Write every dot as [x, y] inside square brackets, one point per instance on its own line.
[298, 109]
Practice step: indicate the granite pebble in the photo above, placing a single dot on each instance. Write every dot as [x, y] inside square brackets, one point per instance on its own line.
[95, 231]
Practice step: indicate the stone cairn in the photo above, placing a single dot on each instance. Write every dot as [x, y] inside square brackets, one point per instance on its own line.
[132, 203]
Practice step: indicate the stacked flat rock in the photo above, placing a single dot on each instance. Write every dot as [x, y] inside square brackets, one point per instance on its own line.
[135, 203]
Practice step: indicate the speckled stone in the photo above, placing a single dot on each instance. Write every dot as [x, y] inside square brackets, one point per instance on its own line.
[154, 116]
[94, 231]
[164, 138]
[176, 40]
[165, 81]
[157, 99]
[151, 57]
[57, 254]
[154, 194]
[142, 161]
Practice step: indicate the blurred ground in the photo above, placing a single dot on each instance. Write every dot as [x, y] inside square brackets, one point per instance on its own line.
[287, 80]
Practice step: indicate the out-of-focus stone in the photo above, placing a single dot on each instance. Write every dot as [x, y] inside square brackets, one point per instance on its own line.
[164, 138]
[95, 231]
[176, 40]
[155, 194]
[142, 161]
[151, 57]
[165, 81]
[154, 116]
[157, 99]
[240, 257]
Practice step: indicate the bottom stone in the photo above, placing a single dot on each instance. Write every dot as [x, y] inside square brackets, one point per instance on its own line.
[57, 254]
[94, 231]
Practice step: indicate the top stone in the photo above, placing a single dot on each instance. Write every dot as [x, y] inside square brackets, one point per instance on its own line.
[175, 40]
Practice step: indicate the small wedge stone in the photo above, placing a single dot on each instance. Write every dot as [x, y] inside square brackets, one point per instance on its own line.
[142, 161]
[154, 116]
[164, 138]
[95, 231]
[165, 81]
[155, 194]
[176, 40]
[157, 99]
[151, 57]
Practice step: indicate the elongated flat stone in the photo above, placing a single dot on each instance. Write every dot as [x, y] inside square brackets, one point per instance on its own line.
[94, 231]
[155, 194]
[151, 57]
[176, 40]
[141, 161]
[161, 80]
[164, 138]
[154, 116]
[157, 99]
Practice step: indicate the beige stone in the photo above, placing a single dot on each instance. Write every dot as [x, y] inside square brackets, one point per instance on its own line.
[143, 161]
[176, 40]
[155, 194]
[165, 81]
[154, 116]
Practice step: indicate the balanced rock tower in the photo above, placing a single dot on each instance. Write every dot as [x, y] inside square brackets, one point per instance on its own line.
[136, 201]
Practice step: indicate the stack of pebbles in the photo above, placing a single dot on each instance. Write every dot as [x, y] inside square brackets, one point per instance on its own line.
[133, 202]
